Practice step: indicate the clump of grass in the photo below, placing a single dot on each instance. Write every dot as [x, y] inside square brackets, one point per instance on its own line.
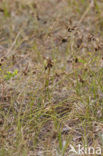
[50, 91]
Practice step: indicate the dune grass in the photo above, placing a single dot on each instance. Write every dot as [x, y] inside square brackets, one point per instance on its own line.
[51, 76]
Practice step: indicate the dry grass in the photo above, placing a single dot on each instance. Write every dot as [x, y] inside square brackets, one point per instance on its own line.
[51, 76]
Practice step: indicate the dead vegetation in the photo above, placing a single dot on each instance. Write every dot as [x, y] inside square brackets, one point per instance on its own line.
[51, 76]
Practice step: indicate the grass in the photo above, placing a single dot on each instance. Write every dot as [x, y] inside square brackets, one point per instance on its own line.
[51, 76]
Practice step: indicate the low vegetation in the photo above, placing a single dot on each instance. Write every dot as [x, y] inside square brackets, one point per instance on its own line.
[51, 76]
